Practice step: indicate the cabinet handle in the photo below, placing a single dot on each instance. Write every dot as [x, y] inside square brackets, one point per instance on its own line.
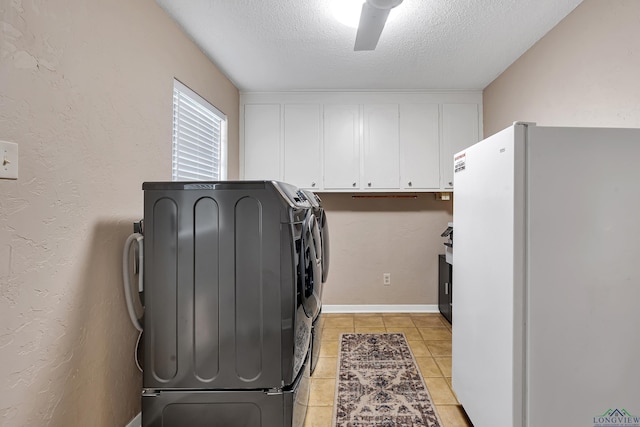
[313, 184]
[410, 183]
[354, 184]
[450, 184]
[446, 288]
[369, 184]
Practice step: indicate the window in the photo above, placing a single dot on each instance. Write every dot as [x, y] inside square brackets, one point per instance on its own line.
[199, 137]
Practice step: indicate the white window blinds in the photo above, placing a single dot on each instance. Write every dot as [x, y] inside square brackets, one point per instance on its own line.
[199, 137]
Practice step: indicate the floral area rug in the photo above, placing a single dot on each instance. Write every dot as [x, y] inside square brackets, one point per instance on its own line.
[379, 384]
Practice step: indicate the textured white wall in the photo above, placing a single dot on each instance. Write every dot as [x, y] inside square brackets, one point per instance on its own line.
[584, 72]
[86, 92]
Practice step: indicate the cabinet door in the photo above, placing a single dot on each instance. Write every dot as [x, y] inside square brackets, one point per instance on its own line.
[459, 131]
[262, 141]
[419, 147]
[302, 145]
[381, 147]
[341, 134]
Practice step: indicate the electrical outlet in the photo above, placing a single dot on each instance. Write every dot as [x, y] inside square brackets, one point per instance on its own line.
[386, 279]
[8, 160]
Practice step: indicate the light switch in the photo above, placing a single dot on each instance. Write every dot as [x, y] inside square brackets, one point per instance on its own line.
[8, 160]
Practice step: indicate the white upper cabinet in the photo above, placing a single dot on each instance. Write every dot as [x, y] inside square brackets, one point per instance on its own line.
[460, 129]
[341, 147]
[381, 144]
[419, 147]
[357, 141]
[302, 145]
[262, 142]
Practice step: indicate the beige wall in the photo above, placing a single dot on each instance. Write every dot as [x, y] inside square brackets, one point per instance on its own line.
[372, 236]
[584, 72]
[86, 92]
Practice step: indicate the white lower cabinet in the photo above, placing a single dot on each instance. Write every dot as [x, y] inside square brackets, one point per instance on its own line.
[341, 145]
[419, 147]
[381, 147]
[302, 145]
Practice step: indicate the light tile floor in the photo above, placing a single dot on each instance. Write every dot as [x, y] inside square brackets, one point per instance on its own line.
[429, 336]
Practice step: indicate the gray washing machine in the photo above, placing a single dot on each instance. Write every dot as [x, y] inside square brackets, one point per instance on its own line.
[230, 291]
[322, 244]
[323, 229]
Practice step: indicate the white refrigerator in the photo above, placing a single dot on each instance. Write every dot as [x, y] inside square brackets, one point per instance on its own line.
[546, 278]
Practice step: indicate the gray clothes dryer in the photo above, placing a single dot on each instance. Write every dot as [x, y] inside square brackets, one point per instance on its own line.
[228, 304]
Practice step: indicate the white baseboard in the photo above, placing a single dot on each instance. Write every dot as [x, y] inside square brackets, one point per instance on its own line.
[381, 308]
[136, 421]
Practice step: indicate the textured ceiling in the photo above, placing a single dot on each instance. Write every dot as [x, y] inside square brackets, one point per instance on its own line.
[275, 45]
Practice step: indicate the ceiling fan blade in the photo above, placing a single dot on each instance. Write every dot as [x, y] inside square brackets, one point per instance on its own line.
[372, 20]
